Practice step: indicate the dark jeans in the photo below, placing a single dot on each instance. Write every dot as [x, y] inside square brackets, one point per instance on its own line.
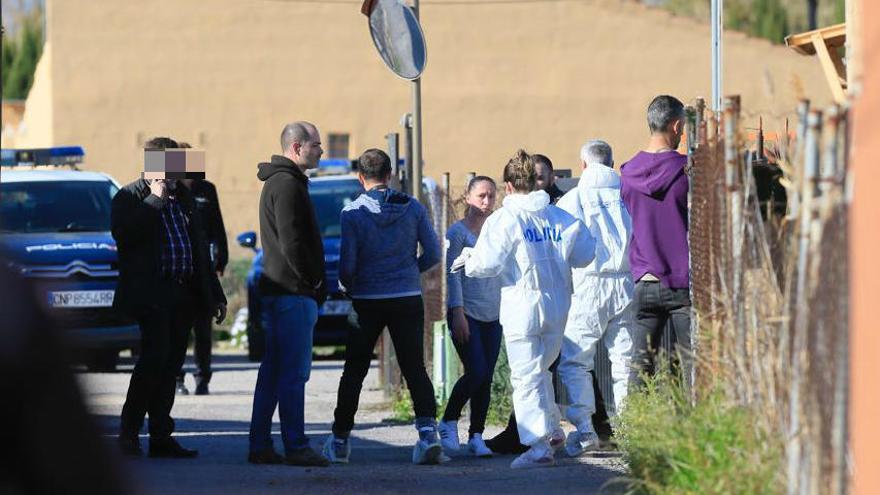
[288, 325]
[655, 306]
[163, 349]
[478, 355]
[404, 317]
[201, 350]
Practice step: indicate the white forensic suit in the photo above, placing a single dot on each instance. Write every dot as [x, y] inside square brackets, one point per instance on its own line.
[532, 246]
[603, 291]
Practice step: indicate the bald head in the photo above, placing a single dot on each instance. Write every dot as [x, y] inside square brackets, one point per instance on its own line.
[296, 132]
[301, 143]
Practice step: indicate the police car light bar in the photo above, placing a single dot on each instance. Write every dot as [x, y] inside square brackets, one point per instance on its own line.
[58, 156]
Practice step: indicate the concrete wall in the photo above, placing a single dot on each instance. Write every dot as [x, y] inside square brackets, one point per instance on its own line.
[227, 74]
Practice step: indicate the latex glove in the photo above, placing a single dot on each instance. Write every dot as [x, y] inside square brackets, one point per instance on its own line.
[459, 262]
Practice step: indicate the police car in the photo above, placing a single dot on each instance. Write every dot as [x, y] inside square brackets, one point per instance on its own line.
[55, 226]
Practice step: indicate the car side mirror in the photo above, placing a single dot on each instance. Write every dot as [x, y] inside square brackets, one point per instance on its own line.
[248, 240]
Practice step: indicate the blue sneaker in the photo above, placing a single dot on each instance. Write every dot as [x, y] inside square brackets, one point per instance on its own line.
[427, 449]
[336, 450]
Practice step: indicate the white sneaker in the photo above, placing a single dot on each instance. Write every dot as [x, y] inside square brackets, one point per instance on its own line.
[449, 436]
[427, 449]
[534, 458]
[336, 450]
[557, 439]
[476, 446]
[577, 443]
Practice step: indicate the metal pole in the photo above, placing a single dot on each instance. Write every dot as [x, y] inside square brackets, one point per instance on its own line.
[406, 121]
[417, 128]
[393, 140]
[717, 55]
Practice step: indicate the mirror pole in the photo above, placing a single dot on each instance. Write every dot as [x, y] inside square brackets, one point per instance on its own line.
[417, 128]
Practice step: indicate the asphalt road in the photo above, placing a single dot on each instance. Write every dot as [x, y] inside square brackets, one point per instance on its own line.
[217, 425]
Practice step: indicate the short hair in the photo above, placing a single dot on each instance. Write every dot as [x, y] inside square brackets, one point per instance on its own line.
[161, 143]
[597, 151]
[520, 172]
[184, 145]
[542, 159]
[480, 178]
[374, 164]
[295, 132]
[663, 111]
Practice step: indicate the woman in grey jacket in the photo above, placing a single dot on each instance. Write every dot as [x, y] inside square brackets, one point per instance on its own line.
[473, 305]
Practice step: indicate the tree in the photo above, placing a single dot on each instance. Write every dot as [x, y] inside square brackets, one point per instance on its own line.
[20, 56]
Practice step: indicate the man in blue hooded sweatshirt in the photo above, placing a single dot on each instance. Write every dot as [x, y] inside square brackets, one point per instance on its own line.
[655, 190]
[379, 266]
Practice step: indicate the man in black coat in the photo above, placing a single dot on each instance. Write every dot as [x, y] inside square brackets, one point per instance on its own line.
[208, 205]
[165, 282]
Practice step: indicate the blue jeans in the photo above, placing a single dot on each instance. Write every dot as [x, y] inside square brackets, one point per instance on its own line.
[288, 324]
[478, 355]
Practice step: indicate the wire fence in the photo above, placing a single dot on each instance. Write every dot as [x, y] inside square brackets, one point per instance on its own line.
[769, 280]
[770, 290]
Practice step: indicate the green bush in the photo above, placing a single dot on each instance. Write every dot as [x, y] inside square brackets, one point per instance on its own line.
[712, 447]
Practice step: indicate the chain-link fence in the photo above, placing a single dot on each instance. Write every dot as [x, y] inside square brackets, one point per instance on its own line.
[770, 291]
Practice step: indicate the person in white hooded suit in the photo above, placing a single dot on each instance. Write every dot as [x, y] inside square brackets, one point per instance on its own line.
[603, 291]
[532, 245]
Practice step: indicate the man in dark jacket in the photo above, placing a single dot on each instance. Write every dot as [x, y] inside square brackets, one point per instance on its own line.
[292, 287]
[208, 205]
[165, 282]
[546, 179]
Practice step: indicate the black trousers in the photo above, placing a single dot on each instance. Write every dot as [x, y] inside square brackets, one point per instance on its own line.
[163, 349]
[204, 340]
[404, 317]
[655, 307]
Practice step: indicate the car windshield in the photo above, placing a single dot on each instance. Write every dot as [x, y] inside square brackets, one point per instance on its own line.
[329, 198]
[71, 206]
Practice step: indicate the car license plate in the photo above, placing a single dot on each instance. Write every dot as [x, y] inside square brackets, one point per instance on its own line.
[81, 299]
[336, 308]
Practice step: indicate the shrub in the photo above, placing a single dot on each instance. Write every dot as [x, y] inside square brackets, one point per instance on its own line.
[711, 447]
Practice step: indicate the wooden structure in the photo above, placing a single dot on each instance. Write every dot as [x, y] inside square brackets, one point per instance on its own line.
[827, 44]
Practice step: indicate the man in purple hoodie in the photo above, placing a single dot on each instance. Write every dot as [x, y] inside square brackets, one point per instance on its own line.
[655, 190]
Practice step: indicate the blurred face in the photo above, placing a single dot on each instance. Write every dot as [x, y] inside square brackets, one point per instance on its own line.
[545, 176]
[308, 154]
[481, 197]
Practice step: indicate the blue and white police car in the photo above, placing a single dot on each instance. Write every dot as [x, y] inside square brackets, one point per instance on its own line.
[55, 231]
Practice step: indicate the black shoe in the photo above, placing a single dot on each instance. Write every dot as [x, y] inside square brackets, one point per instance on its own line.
[181, 388]
[202, 388]
[130, 446]
[306, 457]
[268, 456]
[168, 447]
[504, 443]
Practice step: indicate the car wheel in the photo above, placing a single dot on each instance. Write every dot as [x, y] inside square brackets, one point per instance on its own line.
[103, 361]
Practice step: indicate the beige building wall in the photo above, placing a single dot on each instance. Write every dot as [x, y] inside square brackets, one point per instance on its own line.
[227, 74]
[36, 127]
